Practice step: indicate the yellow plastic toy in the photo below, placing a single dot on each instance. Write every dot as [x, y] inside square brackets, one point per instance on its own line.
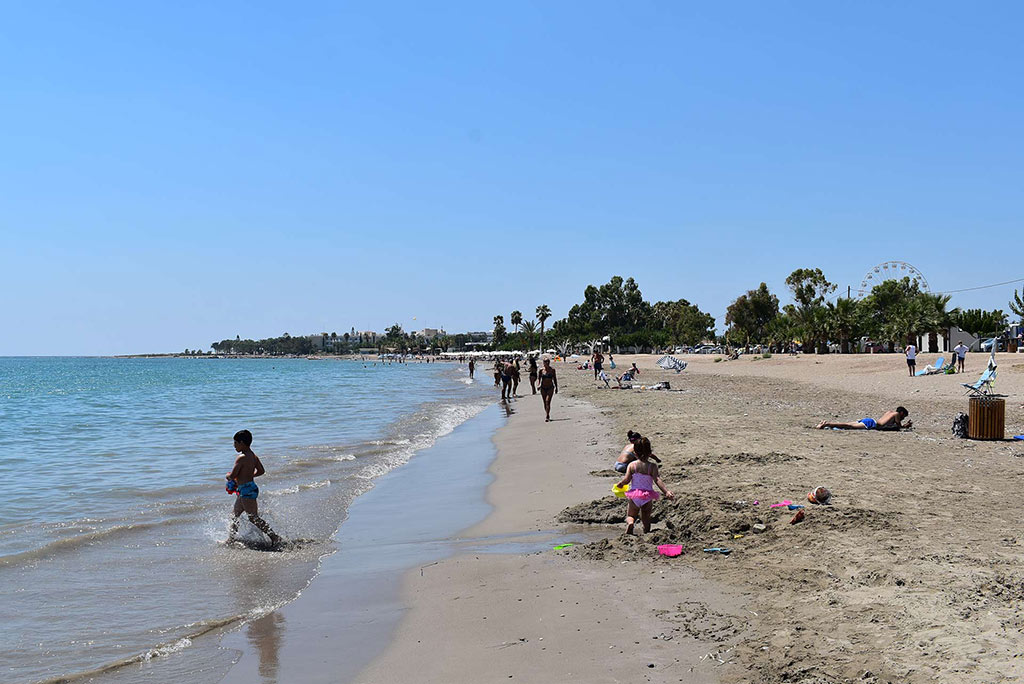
[620, 492]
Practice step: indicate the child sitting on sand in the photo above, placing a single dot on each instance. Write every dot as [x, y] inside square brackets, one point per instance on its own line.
[642, 476]
[890, 420]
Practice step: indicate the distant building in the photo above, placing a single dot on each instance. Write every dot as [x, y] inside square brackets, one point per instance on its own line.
[429, 333]
[367, 337]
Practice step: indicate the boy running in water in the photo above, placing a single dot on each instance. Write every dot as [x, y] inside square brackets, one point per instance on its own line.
[241, 481]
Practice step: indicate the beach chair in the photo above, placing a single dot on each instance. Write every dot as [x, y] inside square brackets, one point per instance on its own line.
[984, 385]
[936, 367]
[670, 363]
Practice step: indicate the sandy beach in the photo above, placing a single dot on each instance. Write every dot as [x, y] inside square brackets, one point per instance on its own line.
[909, 576]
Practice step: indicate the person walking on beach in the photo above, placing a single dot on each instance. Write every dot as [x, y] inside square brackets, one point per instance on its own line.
[598, 360]
[497, 372]
[533, 375]
[472, 367]
[515, 378]
[241, 481]
[911, 352]
[506, 380]
[642, 476]
[961, 355]
[548, 387]
[890, 420]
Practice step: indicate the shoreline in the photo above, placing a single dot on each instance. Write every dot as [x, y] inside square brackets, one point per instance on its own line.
[539, 615]
[350, 607]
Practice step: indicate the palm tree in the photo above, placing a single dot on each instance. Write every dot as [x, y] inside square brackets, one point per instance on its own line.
[530, 328]
[935, 318]
[543, 314]
[516, 318]
[842, 321]
[1017, 305]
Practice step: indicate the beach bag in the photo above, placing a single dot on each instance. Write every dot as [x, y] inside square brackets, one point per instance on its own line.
[960, 426]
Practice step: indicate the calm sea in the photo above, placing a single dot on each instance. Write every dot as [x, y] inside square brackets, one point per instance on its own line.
[112, 506]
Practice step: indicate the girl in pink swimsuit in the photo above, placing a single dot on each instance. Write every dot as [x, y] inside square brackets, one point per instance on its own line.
[642, 476]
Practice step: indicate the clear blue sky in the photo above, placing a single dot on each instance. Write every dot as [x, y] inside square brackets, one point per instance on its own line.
[176, 173]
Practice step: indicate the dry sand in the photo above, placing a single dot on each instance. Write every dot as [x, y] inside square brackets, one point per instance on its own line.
[910, 576]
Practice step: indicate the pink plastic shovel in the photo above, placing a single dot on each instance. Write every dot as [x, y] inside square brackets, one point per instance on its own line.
[670, 550]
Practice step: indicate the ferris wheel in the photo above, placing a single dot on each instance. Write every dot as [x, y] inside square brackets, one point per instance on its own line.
[890, 270]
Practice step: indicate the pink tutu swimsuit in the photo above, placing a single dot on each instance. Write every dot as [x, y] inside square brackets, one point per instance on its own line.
[641, 490]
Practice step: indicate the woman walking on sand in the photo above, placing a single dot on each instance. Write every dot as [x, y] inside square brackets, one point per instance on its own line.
[642, 476]
[533, 374]
[548, 387]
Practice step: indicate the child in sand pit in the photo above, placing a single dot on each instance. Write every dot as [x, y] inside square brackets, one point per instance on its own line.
[628, 453]
[241, 481]
[642, 476]
[890, 420]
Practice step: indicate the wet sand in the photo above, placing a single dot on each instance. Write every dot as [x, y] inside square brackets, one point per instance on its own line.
[349, 610]
[544, 616]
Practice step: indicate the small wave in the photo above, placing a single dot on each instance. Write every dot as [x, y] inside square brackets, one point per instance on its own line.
[295, 489]
[343, 457]
[445, 419]
[158, 651]
[166, 649]
[77, 541]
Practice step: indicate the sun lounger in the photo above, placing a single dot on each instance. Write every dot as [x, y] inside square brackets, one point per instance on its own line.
[936, 367]
[670, 363]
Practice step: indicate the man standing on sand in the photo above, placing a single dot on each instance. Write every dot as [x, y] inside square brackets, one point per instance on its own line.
[961, 356]
[241, 482]
[911, 352]
[472, 367]
[598, 360]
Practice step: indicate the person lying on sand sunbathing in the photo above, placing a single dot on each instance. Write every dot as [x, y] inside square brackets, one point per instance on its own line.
[890, 420]
[642, 476]
[628, 453]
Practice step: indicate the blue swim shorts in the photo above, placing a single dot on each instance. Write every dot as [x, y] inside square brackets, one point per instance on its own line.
[248, 490]
[869, 423]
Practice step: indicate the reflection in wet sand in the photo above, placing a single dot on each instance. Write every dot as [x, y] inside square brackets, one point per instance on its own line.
[265, 635]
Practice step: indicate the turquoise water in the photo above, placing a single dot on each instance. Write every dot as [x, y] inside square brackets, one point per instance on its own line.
[113, 503]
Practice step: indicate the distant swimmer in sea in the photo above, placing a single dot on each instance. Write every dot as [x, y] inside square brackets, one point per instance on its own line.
[890, 420]
[642, 476]
[241, 482]
[628, 453]
[533, 375]
[548, 386]
[472, 367]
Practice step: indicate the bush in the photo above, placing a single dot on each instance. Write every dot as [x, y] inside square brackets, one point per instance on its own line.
[766, 355]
